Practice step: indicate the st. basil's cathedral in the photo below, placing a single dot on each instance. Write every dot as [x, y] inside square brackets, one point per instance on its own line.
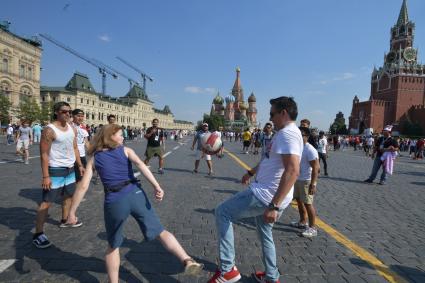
[236, 112]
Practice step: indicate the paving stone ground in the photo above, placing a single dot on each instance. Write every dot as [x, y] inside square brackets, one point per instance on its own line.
[388, 221]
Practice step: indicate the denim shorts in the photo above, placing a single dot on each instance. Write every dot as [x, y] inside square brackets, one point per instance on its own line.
[63, 183]
[136, 204]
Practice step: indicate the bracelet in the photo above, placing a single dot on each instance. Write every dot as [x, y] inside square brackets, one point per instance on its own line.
[45, 177]
[250, 173]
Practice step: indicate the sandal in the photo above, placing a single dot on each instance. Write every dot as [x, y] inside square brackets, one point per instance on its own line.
[191, 267]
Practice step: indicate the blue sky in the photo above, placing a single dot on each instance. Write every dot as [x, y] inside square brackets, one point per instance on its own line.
[320, 52]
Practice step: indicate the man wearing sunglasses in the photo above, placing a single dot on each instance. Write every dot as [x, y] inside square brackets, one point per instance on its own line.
[265, 198]
[59, 153]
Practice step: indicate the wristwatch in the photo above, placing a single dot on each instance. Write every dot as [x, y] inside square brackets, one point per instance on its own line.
[272, 206]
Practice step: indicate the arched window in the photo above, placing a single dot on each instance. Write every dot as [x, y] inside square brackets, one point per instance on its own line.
[5, 65]
[22, 71]
[30, 74]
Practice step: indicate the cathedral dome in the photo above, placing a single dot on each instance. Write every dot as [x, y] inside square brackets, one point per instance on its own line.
[243, 106]
[252, 98]
[218, 99]
[230, 99]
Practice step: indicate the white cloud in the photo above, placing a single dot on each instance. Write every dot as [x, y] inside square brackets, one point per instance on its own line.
[104, 37]
[200, 90]
[343, 77]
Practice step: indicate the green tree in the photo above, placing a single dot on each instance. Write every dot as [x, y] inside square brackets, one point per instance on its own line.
[338, 129]
[5, 105]
[412, 129]
[214, 121]
[29, 109]
[46, 112]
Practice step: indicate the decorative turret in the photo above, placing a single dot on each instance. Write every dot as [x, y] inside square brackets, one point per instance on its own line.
[252, 98]
[218, 99]
[167, 109]
[356, 99]
[237, 90]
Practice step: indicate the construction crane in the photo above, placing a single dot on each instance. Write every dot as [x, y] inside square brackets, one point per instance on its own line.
[130, 80]
[101, 67]
[144, 76]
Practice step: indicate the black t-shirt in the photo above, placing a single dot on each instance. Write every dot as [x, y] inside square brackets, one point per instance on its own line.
[386, 143]
[155, 139]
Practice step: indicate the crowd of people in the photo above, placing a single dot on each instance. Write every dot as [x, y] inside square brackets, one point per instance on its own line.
[289, 167]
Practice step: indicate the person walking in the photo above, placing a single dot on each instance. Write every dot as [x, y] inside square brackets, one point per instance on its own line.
[266, 197]
[199, 151]
[9, 135]
[305, 187]
[154, 135]
[82, 140]
[36, 133]
[266, 140]
[384, 144]
[23, 141]
[58, 152]
[322, 149]
[124, 196]
[246, 137]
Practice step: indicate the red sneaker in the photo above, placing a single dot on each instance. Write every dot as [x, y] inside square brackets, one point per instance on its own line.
[260, 276]
[230, 277]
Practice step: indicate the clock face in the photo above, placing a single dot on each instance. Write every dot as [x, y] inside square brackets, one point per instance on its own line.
[409, 54]
[391, 57]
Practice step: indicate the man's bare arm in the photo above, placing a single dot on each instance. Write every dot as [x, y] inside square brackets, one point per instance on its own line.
[47, 137]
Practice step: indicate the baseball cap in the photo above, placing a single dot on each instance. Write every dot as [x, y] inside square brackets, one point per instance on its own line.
[204, 124]
[388, 128]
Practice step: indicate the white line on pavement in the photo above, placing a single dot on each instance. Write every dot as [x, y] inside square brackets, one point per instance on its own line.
[18, 159]
[176, 147]
[5, 264]
[168, 153]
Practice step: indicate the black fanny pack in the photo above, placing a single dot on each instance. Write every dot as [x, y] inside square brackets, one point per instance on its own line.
[118, 187]
[60, 171]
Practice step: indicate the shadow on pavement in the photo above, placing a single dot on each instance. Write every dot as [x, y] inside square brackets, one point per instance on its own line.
[410, 274]
[177, 170]
[345, 180]
[418, 183]
[411, 173]
[153, 261]
[230, 179]
[52, 260]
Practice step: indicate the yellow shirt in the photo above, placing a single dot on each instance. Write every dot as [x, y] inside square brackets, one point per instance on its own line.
[246, 136]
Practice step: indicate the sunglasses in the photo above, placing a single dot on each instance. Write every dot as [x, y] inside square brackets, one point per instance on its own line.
[65, 112]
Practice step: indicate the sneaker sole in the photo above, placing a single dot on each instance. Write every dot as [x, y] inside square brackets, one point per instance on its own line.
[236, 279]
[71, 226]
[41, 247]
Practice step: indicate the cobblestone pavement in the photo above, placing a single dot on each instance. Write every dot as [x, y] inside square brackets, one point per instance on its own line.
[388, 221]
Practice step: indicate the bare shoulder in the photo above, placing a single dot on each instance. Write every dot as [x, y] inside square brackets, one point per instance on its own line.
[48, 134]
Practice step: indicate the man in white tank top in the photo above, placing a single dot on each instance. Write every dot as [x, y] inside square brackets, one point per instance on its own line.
[58, 152]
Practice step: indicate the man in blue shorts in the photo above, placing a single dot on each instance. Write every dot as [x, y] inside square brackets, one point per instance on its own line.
[59, 152]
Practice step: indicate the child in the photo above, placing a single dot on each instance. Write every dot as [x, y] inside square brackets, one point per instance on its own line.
[124, 196]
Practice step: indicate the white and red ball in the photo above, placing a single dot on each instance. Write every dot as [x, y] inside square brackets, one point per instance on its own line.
[211, 143]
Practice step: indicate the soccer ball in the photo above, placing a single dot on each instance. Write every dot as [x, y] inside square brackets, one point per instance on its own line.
[211, 143]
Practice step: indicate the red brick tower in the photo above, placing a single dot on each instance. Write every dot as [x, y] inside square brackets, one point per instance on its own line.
[396, 86]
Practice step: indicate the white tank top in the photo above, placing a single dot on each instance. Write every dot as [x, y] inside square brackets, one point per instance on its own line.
[62, 150]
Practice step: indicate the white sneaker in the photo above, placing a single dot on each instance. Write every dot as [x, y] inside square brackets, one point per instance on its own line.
[309, 232]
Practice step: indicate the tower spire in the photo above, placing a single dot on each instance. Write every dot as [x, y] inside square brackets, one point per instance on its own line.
[403, 18]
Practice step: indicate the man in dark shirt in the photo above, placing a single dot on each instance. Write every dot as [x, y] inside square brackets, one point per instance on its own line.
[154, 135]
[312, 139]
[383, 144]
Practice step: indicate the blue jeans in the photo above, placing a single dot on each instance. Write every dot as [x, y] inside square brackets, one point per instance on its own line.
[244, 205]
[377, 164]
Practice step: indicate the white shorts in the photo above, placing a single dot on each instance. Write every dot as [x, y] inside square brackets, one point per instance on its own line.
[22, 143]
[200, 155]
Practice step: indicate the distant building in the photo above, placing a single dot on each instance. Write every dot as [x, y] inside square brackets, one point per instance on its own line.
[134, 109]
[19, 67]
[397, 88]
[236, 112]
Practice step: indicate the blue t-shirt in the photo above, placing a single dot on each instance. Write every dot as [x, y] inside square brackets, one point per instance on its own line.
[36, 130]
